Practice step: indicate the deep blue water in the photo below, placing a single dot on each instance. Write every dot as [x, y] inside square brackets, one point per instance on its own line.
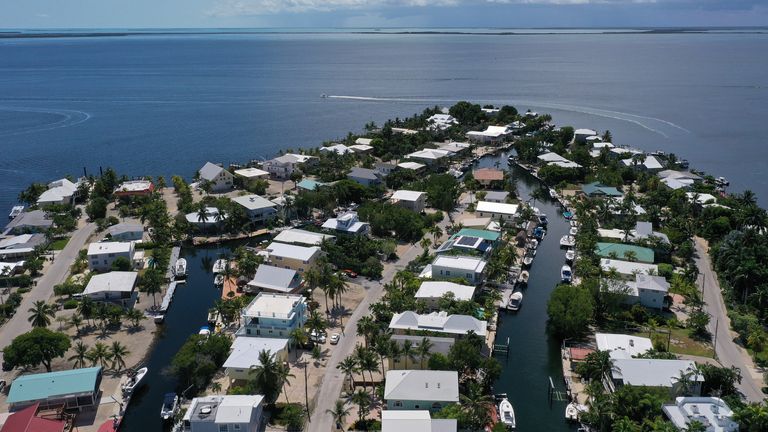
[166, 104]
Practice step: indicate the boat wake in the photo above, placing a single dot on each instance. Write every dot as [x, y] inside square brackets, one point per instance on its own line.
[68, 118]
[386, 99]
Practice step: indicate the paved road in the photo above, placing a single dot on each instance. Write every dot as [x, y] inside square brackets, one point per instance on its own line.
[729, 353]
[333, 380]
[55, 274]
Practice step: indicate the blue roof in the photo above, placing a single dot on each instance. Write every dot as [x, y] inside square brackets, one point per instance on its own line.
[52, 384]
[309, 184]
[483, 234]
[596, 188]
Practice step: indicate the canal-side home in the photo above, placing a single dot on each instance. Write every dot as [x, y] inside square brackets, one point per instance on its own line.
[283, 166]
[229, 413]
[220, 179]
[447, 267]
[621, 345]
[421, 389]
[655, 373]
[411, 200]
[299, 258]
[135, 188]
[496, 211]
[415, 421]
[245, 355]
[20, 246]
[101, 255]
[213, 218]
[72, 389]
[455, 326]
[491, 134]
[273, 315]
[347, 223]
[118, 287]
[496, 196]
[430, 292]
[599, 190]
[364, 176]
[488, 176]
[61, 192]
[126, 231]
[259, 209]
[274, 279]
[627, 269]
[302, 237]
[646, 290]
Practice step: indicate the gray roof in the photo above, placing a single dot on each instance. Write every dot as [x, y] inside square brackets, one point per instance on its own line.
[364, 173]
[654, 283]
[209, 171]
[275, 279]
[34, 218]
[496, 196]
[422, 385]
[652, 372]
[125, 227]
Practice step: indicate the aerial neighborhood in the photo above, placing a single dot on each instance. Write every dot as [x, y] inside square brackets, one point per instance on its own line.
[387, 281]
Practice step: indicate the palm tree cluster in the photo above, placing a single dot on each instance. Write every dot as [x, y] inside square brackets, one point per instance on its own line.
[322, 276]
[107, 356]
[270, 377]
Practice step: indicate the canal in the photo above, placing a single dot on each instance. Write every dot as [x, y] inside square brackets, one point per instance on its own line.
[534, 355]
[188, 312]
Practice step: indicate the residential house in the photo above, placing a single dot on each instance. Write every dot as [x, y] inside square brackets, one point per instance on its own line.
[339, 149]
[259, 209]
[441, 121]
[454, 326]
[20, 246]
[282, 167]
[299, 258]
[213, 218]
[496, 196]
[488, 176]
[625, 252]
[656, 373]
[11, 268]
[415, 421]
[456, 148]
[412, 200]
[597, 189]
[421, 389]
[117, 287]
[430, 292]
[714, 413]
[220, 179]
[551, 158]
[581, 135]
[361, 149]
[347, 223]
[274, 279]
[308, 185]
[70, 389]
[438, 345]
[429, 156]
[135, 188]
[650, 164]
[101, 255]
[228, 413]
[491, 134]
[624, 152]
[678, 179]
[30, 222]
[496, 211]
[471, 269]
[273, 315]
[470, 241]
[126, 231]
[364, 176]
[412, 166]
[627, 269]
[30, 420]
[61, 191]
[252, 173]
[384, 168]
[245, 355]
[301, 237]
[621, 345]
[364, 141]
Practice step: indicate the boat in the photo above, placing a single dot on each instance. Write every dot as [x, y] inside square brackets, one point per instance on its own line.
[218, 280]
[722, 181]
[515, 301]
[566, 274]
[568, 241]
[528, 260]
[523, 278]
[204, 331]
[324, 96]
[507, 414]
[553, 193]
[533, 244]
[543, 220]
[573, 410]
[574, 223]
[570, 255]
[568, 215]
[170, 406]
[573, 231]
[538, 233]
[134, 380]
[180, 268]
[219, 266]
[15, 211]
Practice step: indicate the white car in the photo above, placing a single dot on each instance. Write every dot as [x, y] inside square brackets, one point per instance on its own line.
[335, 338]
[316, 337]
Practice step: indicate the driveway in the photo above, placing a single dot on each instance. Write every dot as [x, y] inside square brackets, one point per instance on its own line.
[729, 353]
[56, 273]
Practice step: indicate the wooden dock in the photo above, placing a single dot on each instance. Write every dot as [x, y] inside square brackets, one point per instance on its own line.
[175, 252]
[199, 241]
[168, 297]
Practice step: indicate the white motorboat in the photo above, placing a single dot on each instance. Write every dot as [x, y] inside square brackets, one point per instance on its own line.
[170, 406]
[566, 274]
[15, 211]
[568, 241]
[218, 280]
[573, 410]
[515, 301]
[523, 279]
[574, 223]
[219, 266]
[528, 260]
[532, 244]
[722, 181]
[180, 268]
[134, 380]
[570, 255]
[553, 193]
[507, 414]
[573, 231]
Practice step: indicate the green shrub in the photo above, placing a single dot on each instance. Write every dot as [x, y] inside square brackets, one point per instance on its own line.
[666, 270]
[71, 304]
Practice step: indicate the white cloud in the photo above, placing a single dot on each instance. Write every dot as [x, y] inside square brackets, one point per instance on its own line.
[262, 7]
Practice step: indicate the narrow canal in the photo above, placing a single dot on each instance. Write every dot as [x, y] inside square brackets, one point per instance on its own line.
[534, 356]
[188, 312]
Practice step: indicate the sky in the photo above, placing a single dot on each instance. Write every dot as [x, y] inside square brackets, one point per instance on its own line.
[16, 14]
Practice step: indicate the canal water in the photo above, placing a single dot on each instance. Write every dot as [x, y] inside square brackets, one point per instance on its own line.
[188, 312]
[534, 356]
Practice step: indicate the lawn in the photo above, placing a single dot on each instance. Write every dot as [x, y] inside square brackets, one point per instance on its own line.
[59, 244]
[681, 343]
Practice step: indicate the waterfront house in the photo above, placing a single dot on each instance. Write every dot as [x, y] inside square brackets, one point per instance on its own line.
[220, 179]
[302, 237]
[650, 164]
[429, 156]
[259, 209]
[415, 421]
[644, 230]
[339, 149]
[364, 141]
[488, 176]
[274, 279]
[20, 246]
[347, 223]
[712, 412]
[30, 420]
[456, 148]
[299, 258]
[361, 148]
[496, 211]
[621, 345]
[126, 231]
[430, 292]
[61, 191]
[421, 389]
[655, 373]
[471, 241]
[30, 222]
[384, 168]
[250, 174]
[624, 152]
[678, 179]
[471, 269]
[496, 196]
[455, 326]
[441, 121]
[283, 166]
[551, 158]
[477, 223]
[213, 218]
[412, 200]
[364, 176]
[70, 389]
[624, 252]
[581, 135]
[308, 185]
[438, 345]
[229, 413]
[412, 166]
[404, 131]
[597, 189]
[273, 315]
[135, 188]
[117, 287]
[101, 255]
[646, 290]
[245, 355]
[627, 269]
[491, 134]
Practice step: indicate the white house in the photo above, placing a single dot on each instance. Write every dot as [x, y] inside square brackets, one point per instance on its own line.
[471, 269]
[621, 345]
[20, 246]
[496, 196]
[302, 237]
[364, 141]
[212, 217]
[441, 121]
[113, 287]
[454, 326]
[413, 166]
[339, 149]
[252, 173]
[101, 255]
[429, 156]
[348, 223]
[230, 413]
[245, 355]
[421, 389]
[126, 231]
[415, 421]
[258, 209]
[61, 191]
[273, 315]
[491, 134]
[361, 148]
[430, 292]
[581, 135]
[220, 179]
[712, 412]
[283, 166]
[655, 373]
[299, 258]
[274, 279]
[412, 200]
[496, 211]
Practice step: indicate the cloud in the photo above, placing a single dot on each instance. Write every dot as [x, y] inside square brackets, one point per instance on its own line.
[264, 7]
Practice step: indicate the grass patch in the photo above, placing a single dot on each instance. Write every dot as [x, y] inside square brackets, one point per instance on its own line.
[59, 244]
[682, 343]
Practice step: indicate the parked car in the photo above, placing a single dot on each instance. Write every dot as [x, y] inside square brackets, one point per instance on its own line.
[317, 337]
[335, 338]
[349, 273]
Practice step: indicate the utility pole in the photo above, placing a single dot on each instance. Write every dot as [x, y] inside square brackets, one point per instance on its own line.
[306, 393]
[714, 342]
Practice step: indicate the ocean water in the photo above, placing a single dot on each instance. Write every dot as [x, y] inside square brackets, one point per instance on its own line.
[165, 104]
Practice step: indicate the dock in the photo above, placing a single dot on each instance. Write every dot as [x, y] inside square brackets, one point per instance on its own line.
[199, 241]
[168, 297]
[169, 274]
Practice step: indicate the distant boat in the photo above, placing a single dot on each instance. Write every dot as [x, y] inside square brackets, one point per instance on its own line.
[573, 231]
[722, 181]
[134, 380]
[204, 331]
[573, 410]
[507, 413]
[568, 215]
[533, 244]
[538, 233]
[566, 274]
[553, 193]
[523, 279]
[515, 301]
[567, 241]
[527, 260]
[570, 255]
[543, 220]
[170, 406]
[324, 96]
[180, 269]
[15, 211]
[219, 266]
[218, 280]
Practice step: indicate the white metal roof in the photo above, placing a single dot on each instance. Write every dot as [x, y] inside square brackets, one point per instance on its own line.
[363, 141]
[652, 372]
[275, 279]
[494, 207]
[430, 154]
[439, 322]
[102, 248]
[303, 253]
[411, 165]
[253, 202]
[116, 281]
[246, 349]
[301, 236]
[422, 385]
[460, 262]
[272, 305]
[57, 191]
[337, 148]
[436, 289]
[551, 157]
[414, 421]
[711, 411]
[209, 171]
[251, 173]
[224, 410]
[134, 186]
[407, 195]
[585, 132]
[627, 267]
[629, 344]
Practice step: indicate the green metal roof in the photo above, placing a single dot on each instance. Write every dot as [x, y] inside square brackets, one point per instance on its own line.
[46, 385]
[596, 188]
[483, 234]
[642, 254]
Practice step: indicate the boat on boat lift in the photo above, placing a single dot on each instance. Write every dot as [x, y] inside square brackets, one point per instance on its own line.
[567, 241]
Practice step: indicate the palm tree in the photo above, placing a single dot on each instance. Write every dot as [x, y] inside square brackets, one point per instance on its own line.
[76, 320]
[349, 367]
[135, 316]
[409, 352]
[118, 352]
[363, 400]
[368, 362]
[216, 387]
[367, 328]
[100, 353]
[316, 323]
[86, 307]
[476, 404]
[267, 376]
[284, 372]
[425, 243]
[298, 337]
[424, 349]
[339, 413]
[41, 314]
[202, 213]
[436, 232]
[81, 354]
[382, 346]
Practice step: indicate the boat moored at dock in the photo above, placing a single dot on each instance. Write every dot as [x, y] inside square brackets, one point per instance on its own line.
[566, 274]
[567, 241]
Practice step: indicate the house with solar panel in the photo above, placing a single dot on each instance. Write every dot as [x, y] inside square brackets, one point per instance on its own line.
[470, 241]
